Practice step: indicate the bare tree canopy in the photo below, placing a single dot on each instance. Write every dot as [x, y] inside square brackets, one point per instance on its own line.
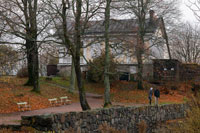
[186, 44]
[8, 59]
[70, 19]
[25, 24]
[107, 100]
[194, 5]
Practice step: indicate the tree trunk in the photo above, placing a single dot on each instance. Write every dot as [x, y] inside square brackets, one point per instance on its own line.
[107, 100]
[75, 48]
[36, 87]
[83, 100]
[140, 64]
[72, 78]
[140, 71]
[29, 52]
[29, 49]
[166, 38]
[140, 42]
[82, 95]
[33, 37]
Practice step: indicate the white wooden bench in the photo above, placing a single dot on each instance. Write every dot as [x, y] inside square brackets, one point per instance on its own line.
[22, 106]
[53, 101]
[65, 100]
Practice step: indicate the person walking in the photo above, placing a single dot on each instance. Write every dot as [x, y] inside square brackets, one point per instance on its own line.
[157, 95]
[150, 95]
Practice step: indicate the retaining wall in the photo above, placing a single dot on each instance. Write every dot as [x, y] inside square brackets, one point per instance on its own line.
[120, 118]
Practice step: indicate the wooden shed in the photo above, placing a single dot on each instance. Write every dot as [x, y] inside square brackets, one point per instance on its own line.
[52, 70]
[166, 70]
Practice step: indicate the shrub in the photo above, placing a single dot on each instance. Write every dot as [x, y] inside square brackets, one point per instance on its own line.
[96, 69]
[64, 73]
[5, 130]
[105, 128]
[191, 124]
[142, 126]
[174, 87]
[22, 73]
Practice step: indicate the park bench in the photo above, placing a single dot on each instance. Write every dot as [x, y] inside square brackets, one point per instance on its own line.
[53, 101]
[64, 100]
[22, 106]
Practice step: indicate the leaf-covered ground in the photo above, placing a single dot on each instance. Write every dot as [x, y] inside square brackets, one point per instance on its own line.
[126, 92]
[12, 91]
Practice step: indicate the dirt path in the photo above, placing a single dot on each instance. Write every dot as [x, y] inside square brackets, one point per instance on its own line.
[95, 101]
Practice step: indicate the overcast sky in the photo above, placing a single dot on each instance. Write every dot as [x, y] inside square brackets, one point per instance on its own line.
[187, 13]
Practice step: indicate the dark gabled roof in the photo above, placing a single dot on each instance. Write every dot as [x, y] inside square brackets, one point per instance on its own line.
[123, 26]
[120, 26]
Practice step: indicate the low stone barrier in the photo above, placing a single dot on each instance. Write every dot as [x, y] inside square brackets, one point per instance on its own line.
[119, 118]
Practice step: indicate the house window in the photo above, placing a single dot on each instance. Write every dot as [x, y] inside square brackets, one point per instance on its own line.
[62, 52]
[67, 60]
[117, 50]
[95, 50]
[81, 60]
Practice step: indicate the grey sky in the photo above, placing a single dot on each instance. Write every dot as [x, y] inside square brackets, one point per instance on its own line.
[187, 13]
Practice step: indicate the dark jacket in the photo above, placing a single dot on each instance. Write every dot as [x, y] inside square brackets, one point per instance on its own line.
[157, 93]
[150, 94]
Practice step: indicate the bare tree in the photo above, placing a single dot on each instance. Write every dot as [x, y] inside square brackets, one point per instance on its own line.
[186, 44]
[24, 19]
[138, 11]
[194, 5]
[24, 25]
[48, 55]
[8, 59]
[76, 55]
[107, 100]
[70, 21]
[139, 8]
[72, 78]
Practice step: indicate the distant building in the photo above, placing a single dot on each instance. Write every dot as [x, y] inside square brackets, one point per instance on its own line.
[173, 70]
[123, 37]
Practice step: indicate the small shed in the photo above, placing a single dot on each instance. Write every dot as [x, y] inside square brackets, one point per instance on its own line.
[166, 69]
[52, 70]
[190, 72]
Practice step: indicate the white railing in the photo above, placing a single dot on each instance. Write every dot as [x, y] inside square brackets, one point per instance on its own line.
[68, 60]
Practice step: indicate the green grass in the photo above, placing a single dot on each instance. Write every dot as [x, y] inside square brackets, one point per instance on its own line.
[61, 81]
[185, 99]
[96, 88]
[65, 82]
[164, 103]
[57, 80]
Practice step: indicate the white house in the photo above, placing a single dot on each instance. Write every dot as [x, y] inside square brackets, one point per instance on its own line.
[123, 37]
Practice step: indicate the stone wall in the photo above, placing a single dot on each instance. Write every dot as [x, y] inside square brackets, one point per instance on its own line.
[190, 72]
[120, 118]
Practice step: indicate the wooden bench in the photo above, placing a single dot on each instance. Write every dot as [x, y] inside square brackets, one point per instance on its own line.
[22, 106]
[64, 100]
[53, 101]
